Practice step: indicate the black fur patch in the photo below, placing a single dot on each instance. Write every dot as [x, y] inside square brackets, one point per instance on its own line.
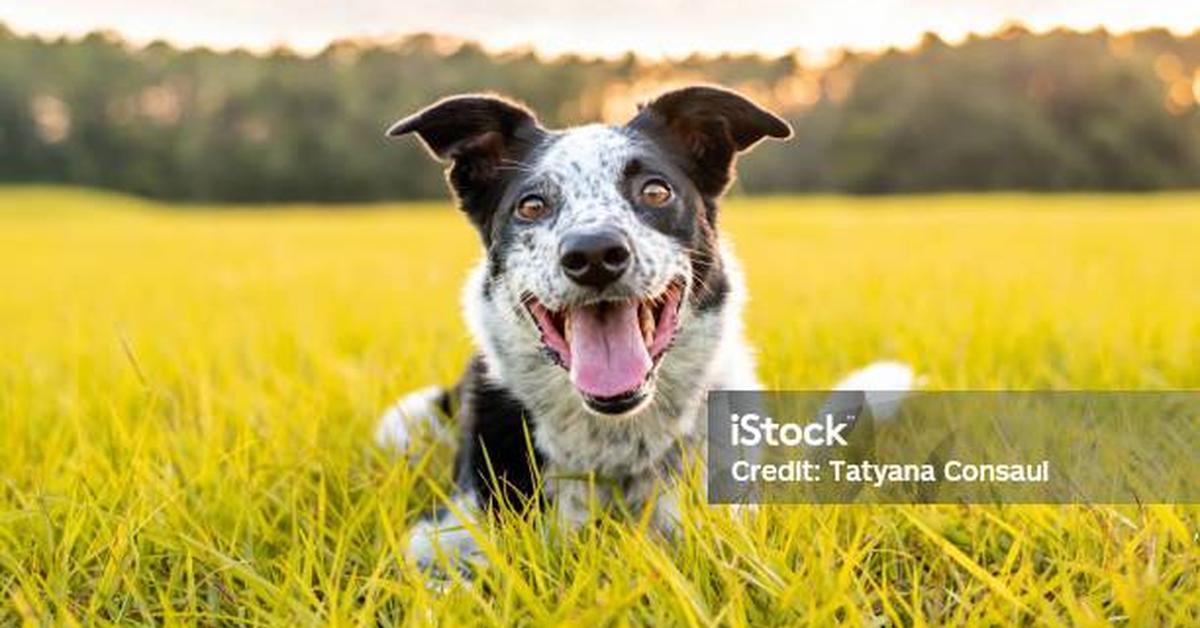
[494, 459]
[689, 219]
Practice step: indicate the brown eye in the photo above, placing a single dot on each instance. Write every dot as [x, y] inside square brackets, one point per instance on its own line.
[532, 207]
[656, 193]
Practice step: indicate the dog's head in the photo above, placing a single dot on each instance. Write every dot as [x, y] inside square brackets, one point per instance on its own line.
[601, 240]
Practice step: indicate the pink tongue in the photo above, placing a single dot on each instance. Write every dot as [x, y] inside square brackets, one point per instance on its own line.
[608, 355]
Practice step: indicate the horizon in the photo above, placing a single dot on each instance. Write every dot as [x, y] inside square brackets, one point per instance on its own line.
[452, 42]
[896, 24]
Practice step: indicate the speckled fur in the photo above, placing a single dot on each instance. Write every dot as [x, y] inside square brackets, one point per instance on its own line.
[581, 173]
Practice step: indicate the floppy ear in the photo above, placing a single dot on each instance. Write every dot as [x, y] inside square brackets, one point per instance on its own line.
[711, 126]
[479, 134]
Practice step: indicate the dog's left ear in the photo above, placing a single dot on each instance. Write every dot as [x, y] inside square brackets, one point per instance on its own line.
[711, 125]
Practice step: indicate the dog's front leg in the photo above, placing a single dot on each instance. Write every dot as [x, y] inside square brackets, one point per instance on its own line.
[659, 494]
[579, 499]
[576, 496]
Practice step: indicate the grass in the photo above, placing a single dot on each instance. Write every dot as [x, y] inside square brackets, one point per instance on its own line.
[187, 398]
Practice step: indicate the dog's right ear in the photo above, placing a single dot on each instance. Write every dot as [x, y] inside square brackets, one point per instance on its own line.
[479, 134]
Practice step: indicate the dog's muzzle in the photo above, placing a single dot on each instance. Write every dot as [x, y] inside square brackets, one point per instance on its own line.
[610, 347]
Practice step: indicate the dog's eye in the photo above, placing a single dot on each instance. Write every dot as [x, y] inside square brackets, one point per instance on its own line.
[532, 207]
[656, 193]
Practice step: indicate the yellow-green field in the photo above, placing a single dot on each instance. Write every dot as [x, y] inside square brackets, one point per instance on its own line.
[187, 398]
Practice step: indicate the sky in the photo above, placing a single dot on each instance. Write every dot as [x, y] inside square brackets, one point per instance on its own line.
[671, 28]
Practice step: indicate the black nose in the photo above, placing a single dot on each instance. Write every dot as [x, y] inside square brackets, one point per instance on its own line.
[594, 259]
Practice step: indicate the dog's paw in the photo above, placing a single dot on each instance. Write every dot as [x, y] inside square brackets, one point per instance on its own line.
[417, 416]
[444, 544]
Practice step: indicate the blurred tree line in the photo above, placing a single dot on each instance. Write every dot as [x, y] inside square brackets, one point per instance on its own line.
[1012, 110]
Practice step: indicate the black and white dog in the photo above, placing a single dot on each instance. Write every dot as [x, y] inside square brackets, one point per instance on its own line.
[605, 308]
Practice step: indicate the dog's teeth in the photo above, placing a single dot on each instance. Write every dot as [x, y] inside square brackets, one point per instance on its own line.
[646, 318]
[567, 327]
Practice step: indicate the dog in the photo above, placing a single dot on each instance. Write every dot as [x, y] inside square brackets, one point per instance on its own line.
[605, 307]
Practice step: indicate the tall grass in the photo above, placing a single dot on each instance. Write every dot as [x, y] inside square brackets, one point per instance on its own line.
[187, 398]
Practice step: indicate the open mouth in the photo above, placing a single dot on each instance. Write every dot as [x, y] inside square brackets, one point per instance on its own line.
[610, 348]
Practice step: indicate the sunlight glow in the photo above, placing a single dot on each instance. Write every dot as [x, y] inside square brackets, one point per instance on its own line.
[673, 28]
